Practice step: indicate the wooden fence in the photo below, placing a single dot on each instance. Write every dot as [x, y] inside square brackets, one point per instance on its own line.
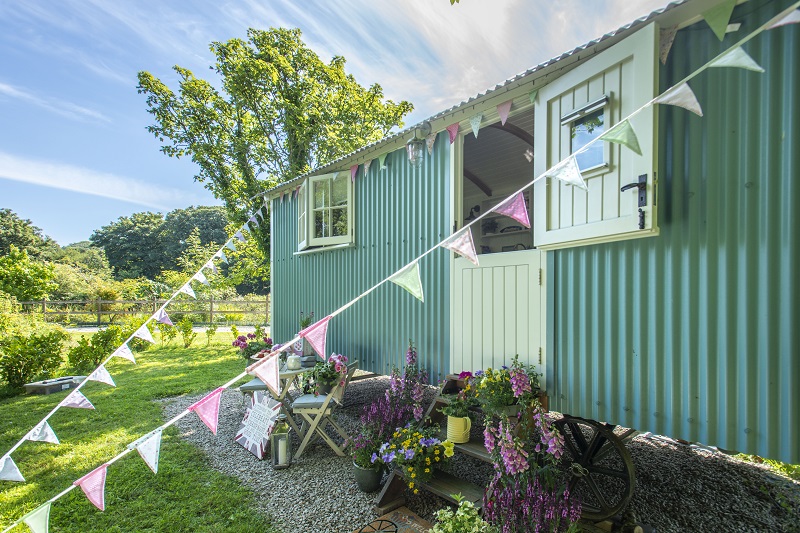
[103, 312]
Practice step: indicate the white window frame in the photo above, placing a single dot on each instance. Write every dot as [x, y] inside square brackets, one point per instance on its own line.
[305, 214]
[603, 103]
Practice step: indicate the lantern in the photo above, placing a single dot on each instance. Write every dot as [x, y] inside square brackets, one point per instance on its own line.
[281, 444]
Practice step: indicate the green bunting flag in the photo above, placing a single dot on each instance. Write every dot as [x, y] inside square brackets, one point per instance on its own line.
[39, 519]
[410, 280]
[718, 17]
[622, 133]
[382, 161]
[534, 93]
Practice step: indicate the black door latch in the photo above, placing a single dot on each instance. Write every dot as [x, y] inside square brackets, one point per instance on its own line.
[642, 185]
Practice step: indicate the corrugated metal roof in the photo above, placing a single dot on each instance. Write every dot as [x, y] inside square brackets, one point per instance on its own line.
[619, 33]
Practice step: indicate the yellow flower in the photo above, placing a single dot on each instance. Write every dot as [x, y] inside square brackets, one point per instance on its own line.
[437, 458]
[416, 491]
[413, 475]
[410, 469]
[427, 470]
[427, 460]
[436, 451]
[448, 448]
[411, 485]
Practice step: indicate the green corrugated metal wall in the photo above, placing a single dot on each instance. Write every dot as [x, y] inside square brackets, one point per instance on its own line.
[694, 333]
[400, 212]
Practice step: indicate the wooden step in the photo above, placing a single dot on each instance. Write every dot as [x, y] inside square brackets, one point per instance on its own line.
[474, 449]
[445, 485]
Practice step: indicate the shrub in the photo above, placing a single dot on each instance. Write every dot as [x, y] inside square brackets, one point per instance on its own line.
[185, 328]
[168, 333]
[234, 331]
[129, 325]
[90, 353]
[210, 332]
[25, 358]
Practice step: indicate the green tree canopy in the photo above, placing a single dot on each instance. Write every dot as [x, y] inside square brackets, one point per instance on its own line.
[24, 235]
[23, 277]
[280, 112]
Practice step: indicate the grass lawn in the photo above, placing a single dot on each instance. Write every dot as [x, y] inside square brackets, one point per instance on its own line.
[185, 495]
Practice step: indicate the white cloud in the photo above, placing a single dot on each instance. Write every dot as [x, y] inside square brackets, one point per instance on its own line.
[60, 107]
[88, 181]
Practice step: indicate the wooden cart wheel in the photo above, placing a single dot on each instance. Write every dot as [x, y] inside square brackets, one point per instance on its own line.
[380, 525]
[600, 468]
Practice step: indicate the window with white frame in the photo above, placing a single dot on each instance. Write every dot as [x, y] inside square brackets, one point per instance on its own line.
[325, 211]
[586, 124]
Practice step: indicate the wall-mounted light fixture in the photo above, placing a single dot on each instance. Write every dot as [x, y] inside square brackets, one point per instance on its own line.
[416, 146]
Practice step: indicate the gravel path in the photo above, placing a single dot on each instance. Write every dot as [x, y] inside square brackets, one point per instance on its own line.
[679, 488]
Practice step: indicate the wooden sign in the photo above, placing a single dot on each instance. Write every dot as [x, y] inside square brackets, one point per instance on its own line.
[256, 427]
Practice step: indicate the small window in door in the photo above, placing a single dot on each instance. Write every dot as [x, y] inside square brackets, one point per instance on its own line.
[585, 125]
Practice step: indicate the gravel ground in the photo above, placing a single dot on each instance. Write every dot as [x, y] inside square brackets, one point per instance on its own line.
[679, 488]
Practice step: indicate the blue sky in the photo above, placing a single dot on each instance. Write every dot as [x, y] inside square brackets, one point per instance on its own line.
[74, 152]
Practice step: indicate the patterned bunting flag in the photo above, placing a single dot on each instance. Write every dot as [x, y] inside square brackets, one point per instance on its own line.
[93, 485]
[101, 374]
[268, 372]
[161, 316]
[39, 519]
[149, 448]
[452, 130]
[208, 409]
[144, 333]
[382, 160]
[43, 433]
[568, 172]
[791, 18]
[211, 266]
[718, 17]
[201, 278]
[353, 172]
[187, 289]
[9, 470]
[239, 235]
[410, 280]
[622, 133]
[253, 220]
[515, 208]
[681, 96]
[528, 155]
[667, 37]
[77, 400]
[462, 244]
[533, 94]
[367, 164]
[503, 110]
[230, 245]
[736, 57]
[125, 352]
[317, 335]
[475, 122]
[429, 140]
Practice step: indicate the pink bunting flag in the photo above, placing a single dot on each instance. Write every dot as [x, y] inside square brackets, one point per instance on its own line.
[316, 334]
[253, 220]
[161, 316]
[503, 110]
[429, 140]
[452, 129]
[93, 485]
[268, 373]
[144, 333]
[462, 244]
[77, 400]
[208, 409]
[101, 374]
[125, 352]
[239, 235]
[516, 209]
[43, 433]
[353, 172]
[187, 289]
[9, 470]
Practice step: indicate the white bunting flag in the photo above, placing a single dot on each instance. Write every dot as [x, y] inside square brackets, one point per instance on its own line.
[161, 316]
[429, 140]
[77, 400]
[239, 235]
[681, 96]
[667, 38]
[367, 164]
[409, 278]
[230, 246]
[503, 110]
[187, 289]
[475, 122]
[39, 519]
[568, 172]
[201, 278]
[144, 333]
[462, 244]
[125, 352]
[736, 57]
[9, 470]
[149, 448]
[101, 374]
[211, 266]
[791, 18]
[43, 433]
[221, 255]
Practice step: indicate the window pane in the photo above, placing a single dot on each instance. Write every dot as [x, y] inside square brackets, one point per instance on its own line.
[584, 130]
[340, 190]
[339, 221]
[321, 193]
[321, 223]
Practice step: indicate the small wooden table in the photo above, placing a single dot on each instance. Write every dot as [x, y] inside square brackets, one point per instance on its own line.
[286, 377]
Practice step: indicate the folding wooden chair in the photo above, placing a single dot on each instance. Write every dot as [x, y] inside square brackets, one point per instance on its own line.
[317, 413]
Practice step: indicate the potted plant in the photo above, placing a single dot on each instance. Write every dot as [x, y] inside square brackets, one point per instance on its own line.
[251, 344]
[325, 374]
[414, 451]
[465, 519]
[502, 391]
[367, 475]
[305, 321]
[459, 422]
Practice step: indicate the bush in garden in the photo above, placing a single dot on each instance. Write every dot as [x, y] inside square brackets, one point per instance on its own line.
[211, 330]
[91, 352]
[130, 325]
[234, 331]
[185, 329]
[167, 331]
[465, 519]
[26, 358]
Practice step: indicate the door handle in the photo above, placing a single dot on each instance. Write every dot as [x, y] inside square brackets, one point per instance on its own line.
[642, 186]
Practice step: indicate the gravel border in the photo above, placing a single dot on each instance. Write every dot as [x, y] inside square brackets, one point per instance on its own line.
[679, 488]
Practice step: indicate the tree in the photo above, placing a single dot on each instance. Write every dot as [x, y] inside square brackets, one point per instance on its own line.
[24, 235]
[281, 112]
[132, 245]
[24, 278]
[180, 224]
